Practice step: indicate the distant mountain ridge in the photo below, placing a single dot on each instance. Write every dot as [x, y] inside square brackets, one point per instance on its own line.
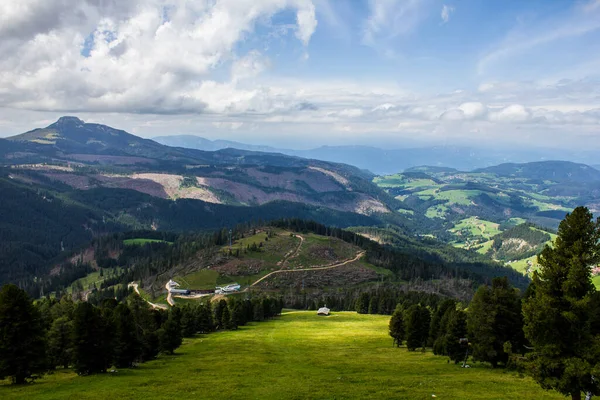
[557, 171]
[388, 161]
[113, 158]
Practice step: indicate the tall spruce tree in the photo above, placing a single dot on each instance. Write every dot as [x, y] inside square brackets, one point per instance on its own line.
[22, 347]
[417, 326]
[435, 329]
[92, 352]
[396, 326]
[495, 318]
[559, 311]
[457, 330]
[60, 342]
[126, 344]
[362, 303]
[169, 334]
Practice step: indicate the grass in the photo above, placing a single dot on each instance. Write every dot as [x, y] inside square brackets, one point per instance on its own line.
[142, 241]
[203, 279]
[596, 281]
[522, 264]
[485, 247]
[315, 251]
[273, 250]
[438, 211]
[477, 227]
[297, 356]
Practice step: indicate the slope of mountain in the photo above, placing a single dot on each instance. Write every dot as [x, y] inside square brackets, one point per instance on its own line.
[469, 208]
[86, 156]
[72, 181]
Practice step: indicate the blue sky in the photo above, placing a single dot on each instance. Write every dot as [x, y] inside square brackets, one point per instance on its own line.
[303, 73]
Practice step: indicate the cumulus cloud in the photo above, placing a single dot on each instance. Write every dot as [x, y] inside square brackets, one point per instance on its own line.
[512, 113]
[154, 56]
[190, 67]
[446, 11]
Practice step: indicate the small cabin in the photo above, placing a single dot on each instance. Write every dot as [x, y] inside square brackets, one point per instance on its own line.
[323, 311]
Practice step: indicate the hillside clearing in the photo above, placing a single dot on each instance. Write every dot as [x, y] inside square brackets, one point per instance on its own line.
[297, 356]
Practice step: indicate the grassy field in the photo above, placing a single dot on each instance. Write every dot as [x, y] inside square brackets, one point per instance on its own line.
[141, 241]
[322, 250]
[203, 279]
[297, 356]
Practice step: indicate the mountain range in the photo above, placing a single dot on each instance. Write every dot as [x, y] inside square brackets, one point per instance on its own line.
[387, 161]
[72, 181]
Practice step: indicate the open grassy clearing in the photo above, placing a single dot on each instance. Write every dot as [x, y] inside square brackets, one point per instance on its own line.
[203, 279]
[320, 251]
[485, 247]
[477, 228]
[438, 211]
[92, 278]
[142, 241]
[402, 181]
[523, 264]
[297, 356]
[596, 281]
[461, 197]
[273, 250]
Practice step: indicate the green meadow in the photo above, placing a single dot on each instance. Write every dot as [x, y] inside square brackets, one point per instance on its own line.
[142, 241]
[296, 356]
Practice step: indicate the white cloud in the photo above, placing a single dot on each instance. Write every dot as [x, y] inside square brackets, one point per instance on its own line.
[249, 66]
[446, 11]
[473, 109]
[154, 56]
[389, 19]
[307, 22]
[512, 113]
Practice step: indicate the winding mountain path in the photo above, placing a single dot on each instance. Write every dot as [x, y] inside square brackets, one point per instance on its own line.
[294, 254]
[169, 295]
[358, 257]
[135, 285]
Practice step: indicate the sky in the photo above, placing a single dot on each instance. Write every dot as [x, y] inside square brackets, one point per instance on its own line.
[305, 73]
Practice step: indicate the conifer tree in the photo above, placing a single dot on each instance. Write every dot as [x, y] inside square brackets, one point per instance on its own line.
[169, 334]
[495, 318]
[559, 312]
[435, 329]
[417, 327]
[362, 304]
[396, 327]
[457, 330]
[60, 342]
[92, 352]
[22, 347]
[226, 318]
[126, 344]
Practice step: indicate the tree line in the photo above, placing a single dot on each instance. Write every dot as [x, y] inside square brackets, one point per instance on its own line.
[37, 338]
[551, 331]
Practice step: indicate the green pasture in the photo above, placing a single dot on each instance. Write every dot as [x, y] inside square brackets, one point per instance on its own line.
[296, 356]
[142, 241]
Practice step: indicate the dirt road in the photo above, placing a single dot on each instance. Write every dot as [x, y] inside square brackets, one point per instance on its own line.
[169, 295]
[293, 254]
[358, 256]
[134, 285]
